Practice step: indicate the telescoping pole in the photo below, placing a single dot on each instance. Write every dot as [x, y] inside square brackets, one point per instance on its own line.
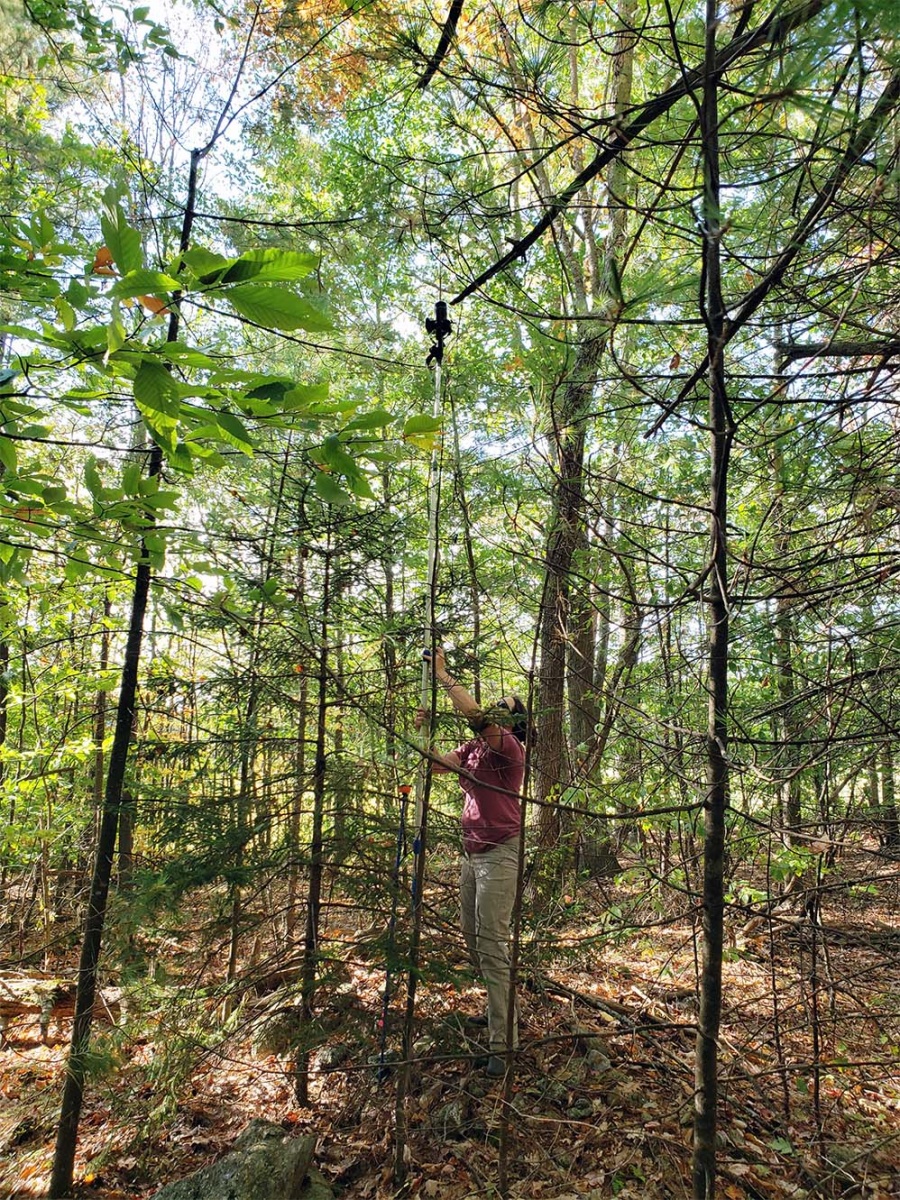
[439, 326]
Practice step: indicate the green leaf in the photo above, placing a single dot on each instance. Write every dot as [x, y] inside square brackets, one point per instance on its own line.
[236, 430]
[359, 485]
[76, 568]
[276, 308]
[131, 479]
[337, 457]
[21, 485]
[92, 479]
[155, 390]
[206, 265]
[66, 313]
[422, 423]
[304, 396]
[162, 429]
[182, 458]
[116, 334]
[144, 283]
[162, 500]
[782, 1145]
[188, 356]
[270, 265]
[329, 491]
[376, 419]
[122, 241]
[77, 294]
[8, 454]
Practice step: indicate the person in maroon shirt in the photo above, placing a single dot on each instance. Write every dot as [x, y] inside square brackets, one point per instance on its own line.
[494, 766]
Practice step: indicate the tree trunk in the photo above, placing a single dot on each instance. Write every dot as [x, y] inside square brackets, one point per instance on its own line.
[73, 1092]
[299, 785]
[567, 438]
[789, 779]
[316, 855]
[459, 487]
[890, 823]
[76, 1072]
[567, 635]
[716, 800]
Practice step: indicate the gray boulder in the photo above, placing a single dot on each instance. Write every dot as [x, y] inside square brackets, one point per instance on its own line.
[264, 1164]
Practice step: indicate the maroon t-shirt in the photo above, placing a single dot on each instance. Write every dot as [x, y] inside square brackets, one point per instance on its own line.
[489, 816]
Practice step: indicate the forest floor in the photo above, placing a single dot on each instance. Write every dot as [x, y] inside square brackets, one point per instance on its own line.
[601, 1099]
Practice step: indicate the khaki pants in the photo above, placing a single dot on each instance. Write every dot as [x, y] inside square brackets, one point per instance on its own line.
[487, 892]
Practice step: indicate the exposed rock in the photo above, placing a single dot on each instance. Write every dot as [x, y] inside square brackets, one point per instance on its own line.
[264, 1164]
[317, 1187]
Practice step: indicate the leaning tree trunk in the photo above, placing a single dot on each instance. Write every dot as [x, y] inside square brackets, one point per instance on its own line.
[716, 800]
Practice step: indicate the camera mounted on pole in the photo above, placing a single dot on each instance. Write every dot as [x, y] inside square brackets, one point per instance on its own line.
[439, 326]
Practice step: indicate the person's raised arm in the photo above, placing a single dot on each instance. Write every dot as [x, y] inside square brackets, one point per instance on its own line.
[464, 702]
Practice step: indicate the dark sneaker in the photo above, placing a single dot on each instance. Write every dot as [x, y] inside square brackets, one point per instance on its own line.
[495, 1067]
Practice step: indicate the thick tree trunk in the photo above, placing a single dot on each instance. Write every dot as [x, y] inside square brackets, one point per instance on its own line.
[568, 628]
[716, 800]
[567, 439]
